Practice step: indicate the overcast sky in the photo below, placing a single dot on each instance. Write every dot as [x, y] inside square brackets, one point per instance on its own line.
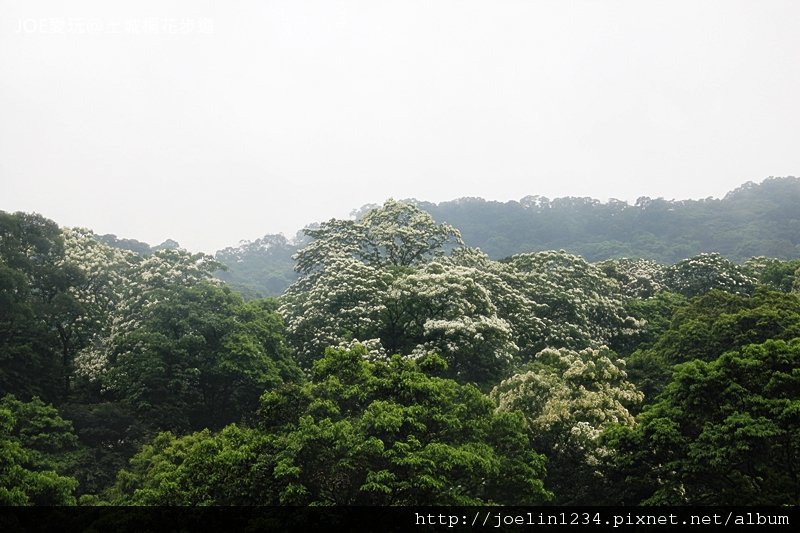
[210, 122]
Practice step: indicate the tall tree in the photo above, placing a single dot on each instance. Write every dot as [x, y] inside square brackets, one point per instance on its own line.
[38, 306]
[198, 357]
[397, 234]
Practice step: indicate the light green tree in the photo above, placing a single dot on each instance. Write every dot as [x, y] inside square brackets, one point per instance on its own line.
[359, 433]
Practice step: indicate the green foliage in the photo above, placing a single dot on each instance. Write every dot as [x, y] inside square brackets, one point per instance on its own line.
[708, 326]
[655, 314]
[126, 341]
[724, 432]
[774, 273]
[33, 441]
[110, 433]
[232, 467]
[260, 268]
[41, 431]
[753, 220]
[718, 322]
[199, 357]
[37, 307]
[360, 432]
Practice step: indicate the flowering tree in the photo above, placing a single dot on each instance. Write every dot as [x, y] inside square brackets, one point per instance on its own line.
[127, 285]
[445, 309]
[343, 301]
[701, 273]
[568, 398]
[638, 278]
[346, 271]
[583, 306]
[439, 308]
[514, 304]
[395, 235]
[367, 280]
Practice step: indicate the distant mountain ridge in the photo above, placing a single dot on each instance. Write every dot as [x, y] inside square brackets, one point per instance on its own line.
[263, 267]
[141, 248]
[752, 220]
[755, 219]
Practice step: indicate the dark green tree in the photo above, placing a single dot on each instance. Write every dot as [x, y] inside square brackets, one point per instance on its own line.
[724, 432]
[379, 433]
[37, 308]
[199, 357]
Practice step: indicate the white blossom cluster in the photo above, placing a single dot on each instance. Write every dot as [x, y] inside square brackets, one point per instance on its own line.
[120, 287]
[373, 347]
[105, 271]
[104, 268]
[449, 312]
[570, 397]
[638, 278]
[704, 272]
[582, 305]
[341, 302]
[387, 277]
[397, 234]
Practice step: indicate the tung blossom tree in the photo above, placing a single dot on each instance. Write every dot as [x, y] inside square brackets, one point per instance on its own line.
[569, 398]
[384, 279]
[406, 285]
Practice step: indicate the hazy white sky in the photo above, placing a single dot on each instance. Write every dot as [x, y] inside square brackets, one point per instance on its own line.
[210, 122]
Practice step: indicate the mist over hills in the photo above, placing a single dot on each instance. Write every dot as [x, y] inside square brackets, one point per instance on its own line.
[755, 219]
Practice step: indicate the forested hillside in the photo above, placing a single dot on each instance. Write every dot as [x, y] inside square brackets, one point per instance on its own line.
[753, 220]
[260, 268]
[401, 367]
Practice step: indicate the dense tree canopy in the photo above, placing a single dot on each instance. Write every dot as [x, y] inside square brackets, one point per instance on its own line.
[753, 220]
[38, 307]
[483, 317]
[722, 432]
[359, 433]
[35, 447]
[402, 367]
